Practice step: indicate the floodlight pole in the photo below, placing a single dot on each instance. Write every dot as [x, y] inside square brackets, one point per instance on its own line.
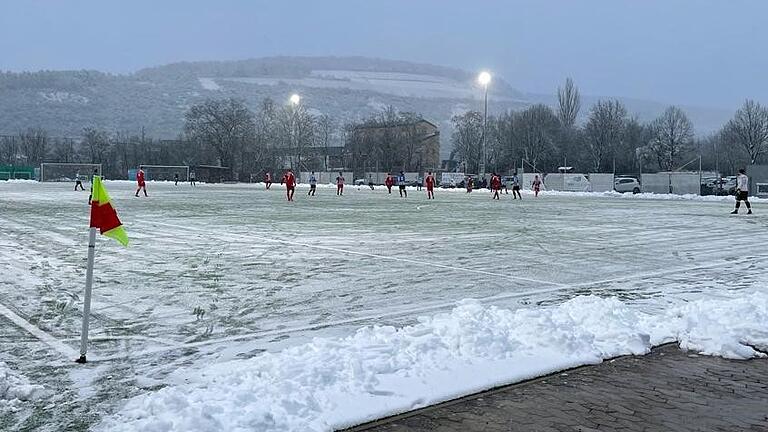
[485, 126]
[87, 299]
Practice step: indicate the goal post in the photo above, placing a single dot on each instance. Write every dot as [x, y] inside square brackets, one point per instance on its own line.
[67, 172]
[165, 172]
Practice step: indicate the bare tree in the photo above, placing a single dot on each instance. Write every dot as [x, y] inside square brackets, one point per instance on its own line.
[502, 146]
[227, 126]
[536, 130]
[749, 129]
[34, 145]
[9, 149]
[672, 136]
[605, 131]
[466, 138]
[569, 103]
[325, 130]
[95, 144]
[295, 132]
[636, 135]
[63, 150]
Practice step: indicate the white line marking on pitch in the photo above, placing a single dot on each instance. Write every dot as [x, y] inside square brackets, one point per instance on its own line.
[44, 337]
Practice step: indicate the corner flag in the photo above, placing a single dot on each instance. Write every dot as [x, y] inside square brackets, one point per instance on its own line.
[103, 215]
[104, 218]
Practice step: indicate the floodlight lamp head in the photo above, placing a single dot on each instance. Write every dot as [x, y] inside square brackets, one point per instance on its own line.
[484, 78]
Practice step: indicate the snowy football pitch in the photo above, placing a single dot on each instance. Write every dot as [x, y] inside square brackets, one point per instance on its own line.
[228, 271]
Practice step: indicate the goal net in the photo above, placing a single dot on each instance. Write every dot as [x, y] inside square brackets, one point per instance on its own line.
[64, 172]
[165, 172]
[212, 174]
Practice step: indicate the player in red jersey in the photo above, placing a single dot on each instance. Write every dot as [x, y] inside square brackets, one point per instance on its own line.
[268, 180]
[340, 184]
[536, 185]
[389, 182]
[142, 184]
[495, 185]
[429, 181]
[290, 184]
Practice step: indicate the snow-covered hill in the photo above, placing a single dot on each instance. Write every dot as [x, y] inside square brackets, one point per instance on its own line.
[347, 88]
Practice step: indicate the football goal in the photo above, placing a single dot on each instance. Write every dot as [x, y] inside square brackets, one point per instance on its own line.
[64, 172]
[165, 172]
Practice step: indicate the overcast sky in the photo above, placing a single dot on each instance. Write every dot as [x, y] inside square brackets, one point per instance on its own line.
[701, 52]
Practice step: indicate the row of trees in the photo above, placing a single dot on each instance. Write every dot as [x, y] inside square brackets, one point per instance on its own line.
[117, 152]
[226, 132]
[610, 140]
[221, 132]
[250, 142]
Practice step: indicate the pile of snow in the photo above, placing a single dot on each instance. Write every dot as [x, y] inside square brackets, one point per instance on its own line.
[27, 181]
[15, 387]
[630, 196]
[335, 383]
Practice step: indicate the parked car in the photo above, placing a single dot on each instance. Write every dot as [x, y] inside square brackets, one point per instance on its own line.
[730, 185]
[626, 184]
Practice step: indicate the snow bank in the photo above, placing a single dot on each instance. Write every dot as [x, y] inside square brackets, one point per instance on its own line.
[649, 196]
[378, 371]
[15, 387]
[23, 181]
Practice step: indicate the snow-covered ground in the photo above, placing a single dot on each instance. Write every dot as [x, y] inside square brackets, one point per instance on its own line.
[229, 286]
[390, 83]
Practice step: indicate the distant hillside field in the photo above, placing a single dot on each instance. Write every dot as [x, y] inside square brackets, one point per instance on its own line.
[347, 88]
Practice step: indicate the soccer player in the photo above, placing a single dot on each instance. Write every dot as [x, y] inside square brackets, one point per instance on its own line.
[742, 191]
[536, 185]
[389, 182]
[290, 184]
[495, 186]
[504, 181]
[468, 182]
[516, 187]
[312, 184]
[192, 178]
[78, 181]
[175, 179]
[268, 180]
[140, 181]
[340, 184]
[401, 185]
[430, 182]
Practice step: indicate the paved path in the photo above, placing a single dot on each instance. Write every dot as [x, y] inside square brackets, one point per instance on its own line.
[667, 390]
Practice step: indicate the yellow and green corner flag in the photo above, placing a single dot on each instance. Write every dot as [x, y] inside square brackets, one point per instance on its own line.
[103, 215]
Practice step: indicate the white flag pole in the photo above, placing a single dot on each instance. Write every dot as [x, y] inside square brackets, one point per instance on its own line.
[87, 299]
